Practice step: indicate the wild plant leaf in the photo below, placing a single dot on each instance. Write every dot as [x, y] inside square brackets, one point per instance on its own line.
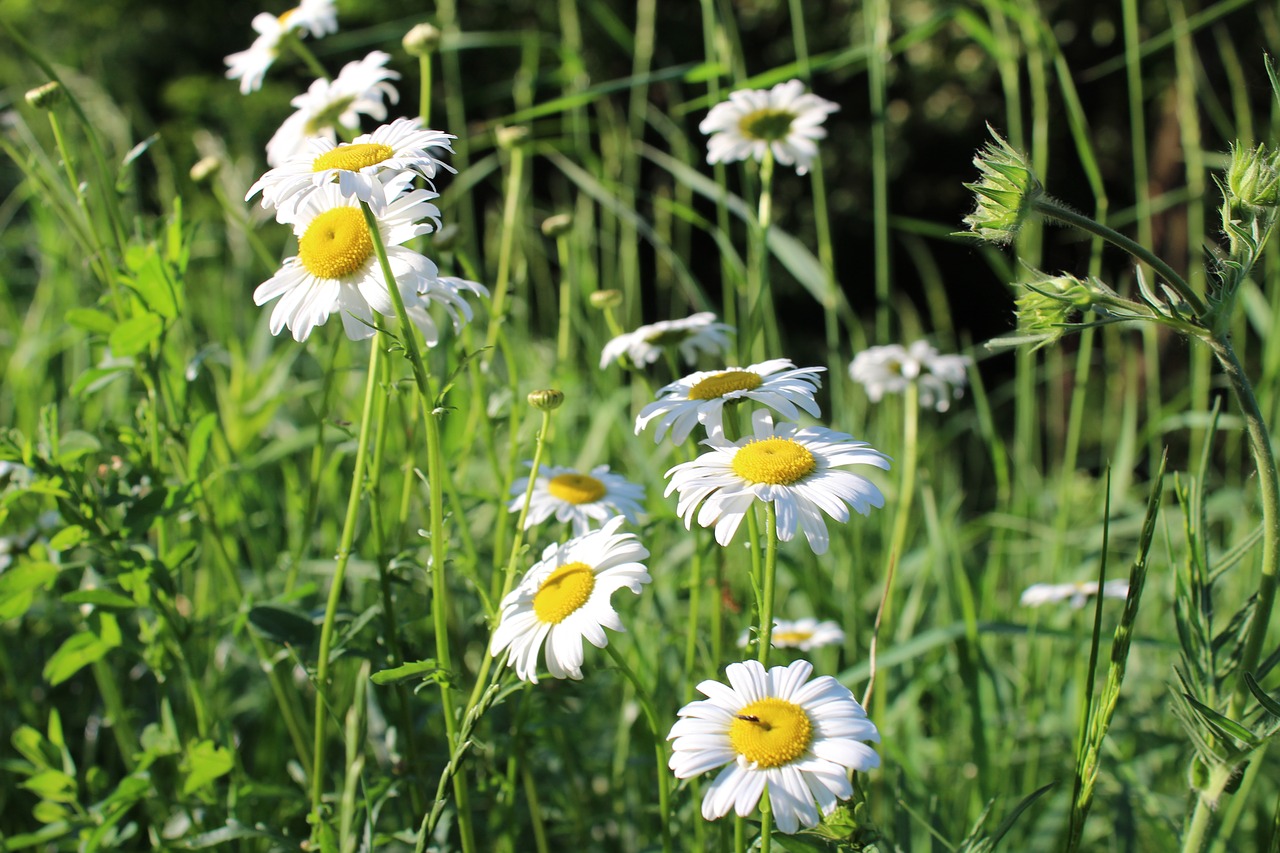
[18, 586]
[99, 598]
[1271, 705]
[405, 672]
[284, 625]
[82, 649]
[135, 334]
[1224, 725]
[205, 761]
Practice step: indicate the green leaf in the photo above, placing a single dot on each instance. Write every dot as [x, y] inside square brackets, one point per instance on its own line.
[97, 378]
[198, 444]
[1264, 698]
[135, 335]
[74, 444]
[99, 598]
[283, 624]
[405, 672]
[205, 762]
[91, 320]
[80, 650]
[18, 586]
[68, 538]
[1221, 722]
[53, 785]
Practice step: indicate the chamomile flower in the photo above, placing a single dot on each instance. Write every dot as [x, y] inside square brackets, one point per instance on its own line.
[796, 469]
[775, 728]
[578, 498]
[1077, 593]
[356, 167]
[336, 267]
[890, 369]
[564, 599]
[701, 397]
[700, 332]
[317, 17]
[803, 634]
[783, 119]
[360, 88]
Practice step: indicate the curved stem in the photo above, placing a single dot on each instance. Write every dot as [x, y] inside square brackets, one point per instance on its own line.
[305, 54]
[335, 595]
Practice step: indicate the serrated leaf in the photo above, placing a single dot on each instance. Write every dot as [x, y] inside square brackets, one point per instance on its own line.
[283, 624]
[405, 672]
[135, 335]
[205, 761]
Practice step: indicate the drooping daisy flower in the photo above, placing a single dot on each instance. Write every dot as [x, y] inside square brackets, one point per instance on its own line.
[890, 369]
[701, 397]
[317, 17]
[336, 267]
[697, 333]
[799, 737]
[564, 599]
[356, 167]
[783, 119]
[578, 498]
[803, 634]
[1077, 593]
[359, 88]
[794, 468]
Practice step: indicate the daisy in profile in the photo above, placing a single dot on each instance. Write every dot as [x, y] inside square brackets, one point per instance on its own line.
[700, 398]
[564, 599]
[357, 166]
[796, 469]
[578, 498]
[803, 634]
[317, 17]
[775, 728]
[336, 268]
[360, 88]
[700, 332]
[784, 120]
[1077, 593]
[890, 369]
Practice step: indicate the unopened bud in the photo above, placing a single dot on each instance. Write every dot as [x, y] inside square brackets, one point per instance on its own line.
[510, 137]
[422, 40]
[45, 97]
[1252, 178]
[1005, 191]
[204, 169]
[557, 226]
[604, 299]
[546, 400]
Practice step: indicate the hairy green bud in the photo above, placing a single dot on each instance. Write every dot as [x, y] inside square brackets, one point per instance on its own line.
[1252, 177]
[1005, 192]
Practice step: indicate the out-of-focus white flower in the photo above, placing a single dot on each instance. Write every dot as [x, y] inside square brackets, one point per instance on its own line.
[317, 17]
[890, 369]
[578, 498]
[359, 89]
[803, 634]
[783, 119]
[700, 332]
[1077, 593]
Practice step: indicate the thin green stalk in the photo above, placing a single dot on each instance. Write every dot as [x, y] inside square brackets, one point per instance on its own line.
[906, 492]
[758, 315]
[564, 340]
[304, 53]
[770, 576]
[651, 717]
[510, 206]
[424, 91]
[766, 821]
[878, 24]
[335, 596]
[728, 289]
[692, 622]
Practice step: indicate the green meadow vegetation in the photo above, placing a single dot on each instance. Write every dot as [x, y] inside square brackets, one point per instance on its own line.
[294, 559]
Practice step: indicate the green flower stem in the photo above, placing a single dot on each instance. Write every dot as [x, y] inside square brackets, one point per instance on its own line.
[1056, 210]
[335, 595]
[511, 203]
[739, 835]
[304, 53]
[770, 574]
[906, 491]
[766, 821]
[435, 482]
[878, 26]
[646, 705]
[695, 616]
[758, 317]
[564, 340]
[424, 92]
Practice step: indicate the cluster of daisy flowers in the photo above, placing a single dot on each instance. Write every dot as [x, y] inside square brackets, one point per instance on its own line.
[325, 195]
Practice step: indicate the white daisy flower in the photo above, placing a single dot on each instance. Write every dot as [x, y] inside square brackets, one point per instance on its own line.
[1077, 593]
[783, 119]
[359, 88]
[792, 467]
[799, 737]
[697, 333]
[356, 167]
[564, 599]
[803, 634]
[578, 498]
[336, 267]
[890, 369]
[701, 397]
[317, 17]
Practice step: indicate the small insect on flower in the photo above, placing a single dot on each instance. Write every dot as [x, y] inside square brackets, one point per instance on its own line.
[578, 498]
[784, 120]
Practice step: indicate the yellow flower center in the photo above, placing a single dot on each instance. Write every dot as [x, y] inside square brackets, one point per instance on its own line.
[336, 243]
[782, 639]
[771, 732]
[283, 17]
[768, 124]
[576, 488]
[722, 383]
[565, 591]
[353, 157]
[778, 461]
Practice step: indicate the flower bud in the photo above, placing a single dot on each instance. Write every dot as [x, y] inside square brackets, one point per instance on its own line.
[1047, 305]
[558, 225]
[45, 97]
[422, 40]
[510, 137]
[546, 400]
[604, 299]
[1252, 178]
[1006, 191]
[204, 169]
